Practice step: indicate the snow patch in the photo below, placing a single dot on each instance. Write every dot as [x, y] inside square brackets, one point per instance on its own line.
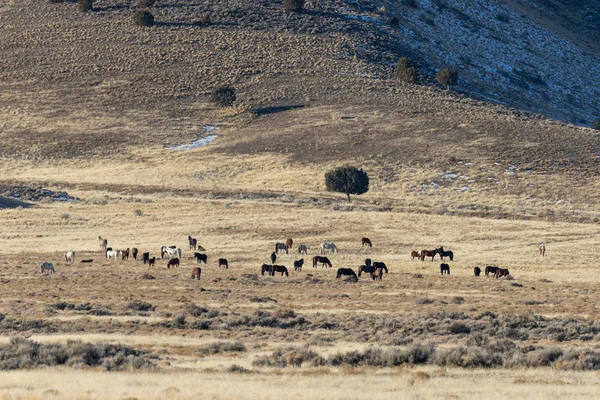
[203, 141]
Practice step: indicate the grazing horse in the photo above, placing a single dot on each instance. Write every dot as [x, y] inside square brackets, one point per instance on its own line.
[346, 272]
[323, 260]
[444, 268]
[366, 242]
[281, 247]
[477, 271]
[298, 265]
[174, 262]
[69, 256]
[289, 243]
[381, 265]
[266, 268]
[113, 253]
[223, 263]
[200, 257]
[273, 257]
[368, 262]
[377, 274]
[164, 249]
[542, 250]
[46, 266]
[151, 261]
[500, 272]
[428, 253]
[196, 271]
[279, 268]
[303, 249]
[89, 260]
[445, 254]
[329, 247]
[366, 269]
[173, 252]
[415, 254]
[491, 269]
[146, 257]
[103, 242]
[134, 253]
[193, 242]
[125, 254]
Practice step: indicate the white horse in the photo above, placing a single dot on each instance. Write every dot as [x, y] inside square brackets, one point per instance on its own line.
[46, 266]
[542, 250]
[69, 256]
[103, 242]
[173, 253]
[330, 247]
[113, 253]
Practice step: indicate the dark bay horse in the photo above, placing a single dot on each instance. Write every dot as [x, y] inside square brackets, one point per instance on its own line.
[490, 269]
[415, 254]
[196, 271]
[174, 262]
[323, 260]
[298, 265]
[500, 272]
[192, 242]
[377, 274]
[428, 253]
[273, 257]
[477, 271]
[444, 268]
[134, 253]
[381, 265]
[223, 263]
[201, 258]
[346, 272]
[146, 257]
[366, 242]
[279, 268]
[366, 269]
[266, 268]
[368, 262]
[151, 261]
[445, 254]
[289, 243]
[125, 254]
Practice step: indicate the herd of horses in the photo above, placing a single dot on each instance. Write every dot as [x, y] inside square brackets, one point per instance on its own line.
[375, 269]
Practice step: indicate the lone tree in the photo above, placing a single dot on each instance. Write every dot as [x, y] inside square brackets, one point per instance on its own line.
[349, 180]
[85, 5]
[596, 125]
[406, 71]
[143, 18]
[293, 5]
[447, 77]
[223, 96]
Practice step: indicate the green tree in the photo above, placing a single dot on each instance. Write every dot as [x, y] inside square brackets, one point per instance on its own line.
[348, 179]
[447, 77]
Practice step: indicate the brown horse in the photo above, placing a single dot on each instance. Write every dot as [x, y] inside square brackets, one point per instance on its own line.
[174, 262]
[298, 265]
[415, 254]
[125, 254]
[366, 269]
[377, 274]
[151, 261]
[500, 272]
[223, 263]
[134, 253]
[366, 242]
[289, 243]
[428, 253]
[323, 260]
[490, 269]
[444, 268]
[279, 268]
[266, 268]
[196, 271]
[346, 272]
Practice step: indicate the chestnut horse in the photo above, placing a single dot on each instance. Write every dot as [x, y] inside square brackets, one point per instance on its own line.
[323, 260]
[366, 242]
[279, 268]
[196, 273]
[428, 253]
[289, 243]
[346, 272]
[223, 263]
[174, 262]
[125, 254]
[415, 254]
[377, 274]
[500, 272]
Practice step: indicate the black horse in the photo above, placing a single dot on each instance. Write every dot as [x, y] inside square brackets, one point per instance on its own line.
[279, 268]
[445, 254]
[490, 269]
[323, 260]
[477, 271]
[366, 269]
[273, 257]
[368, 262]
[266, 268]
[146, 257]
[134, 253]
[223, 263]
[298, 265]
[381, 265]
[366, 242]
[346, 272]
[444, 268]
[200, 257]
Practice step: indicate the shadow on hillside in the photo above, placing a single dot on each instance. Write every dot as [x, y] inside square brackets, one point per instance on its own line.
[111, 8]
[13, 203]
[276, 109]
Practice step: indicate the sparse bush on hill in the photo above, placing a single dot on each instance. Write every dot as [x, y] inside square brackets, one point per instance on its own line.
[410, 3]
[85, 5]
[596, 124]
[57, 1]
[406, 71]
[293, 5]
[349, 180]
[204, 19]
[447, 77]
[394, 21]
[143, 18]
[145, 3]
[223, 96]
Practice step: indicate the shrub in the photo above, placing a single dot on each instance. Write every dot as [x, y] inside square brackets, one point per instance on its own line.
[204, 19]
[406, 71]
[238, 369]
[138, 305]
[394, 21]
[410, 3]
[447, 77]
[58, 1]
[223, 96]
[138, 212]
[286, 357]
[596, 124]
[85, 5]
[293, 5]
[143, 18]
[459, 328]
[145, 3]
[222, 347]
[348, 180]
